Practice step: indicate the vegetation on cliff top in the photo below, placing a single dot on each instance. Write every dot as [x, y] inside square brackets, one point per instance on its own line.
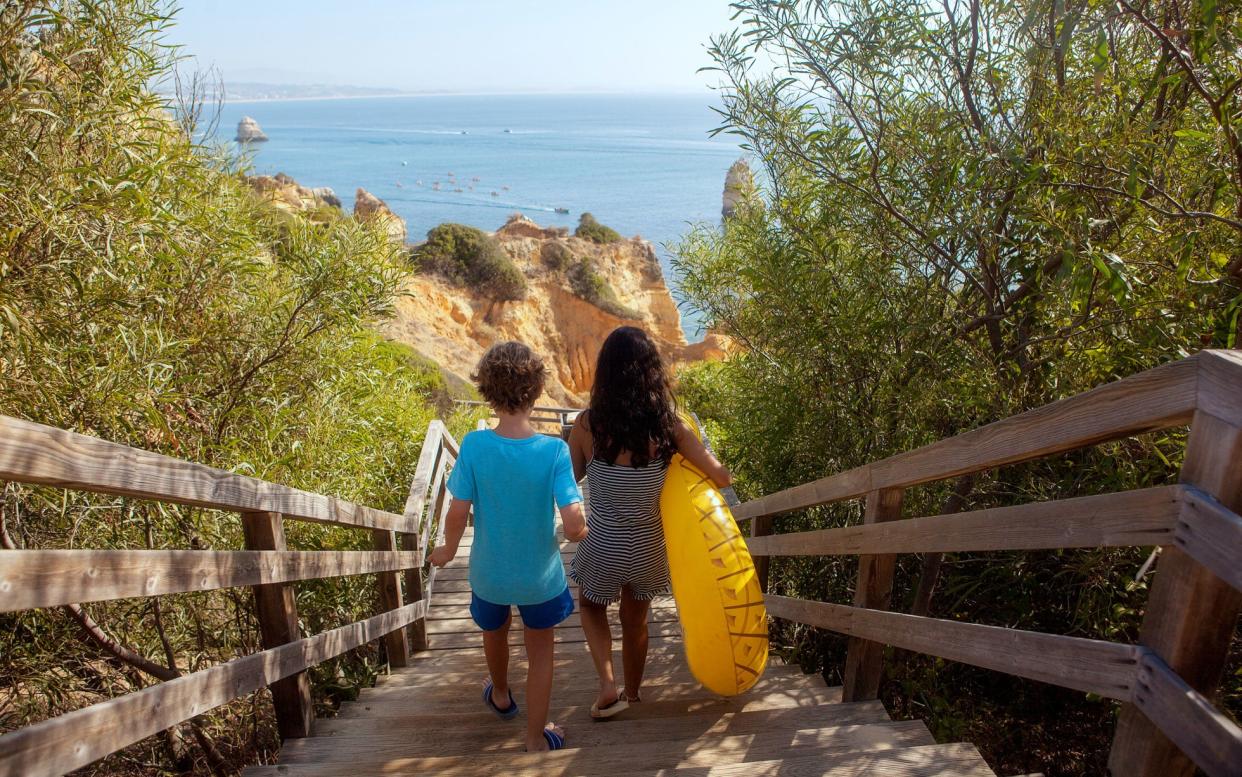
[590, 229]
[969, 210]
[148, 297]
[470, 257]
[588, 284]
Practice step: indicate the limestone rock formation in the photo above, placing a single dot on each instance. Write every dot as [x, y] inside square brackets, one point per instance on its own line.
[249, 131]
[288, 195]
[454, 325]
[738, 188]
[368, 207]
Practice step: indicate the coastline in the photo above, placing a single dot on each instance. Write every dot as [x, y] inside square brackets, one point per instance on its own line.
[449, 94]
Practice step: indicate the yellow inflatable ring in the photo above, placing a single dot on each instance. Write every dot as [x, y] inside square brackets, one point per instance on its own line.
[719, 602]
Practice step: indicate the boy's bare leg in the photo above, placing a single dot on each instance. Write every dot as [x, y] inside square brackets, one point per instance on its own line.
[539, 652]
[496, 650]
[633, 642]
[599, 639]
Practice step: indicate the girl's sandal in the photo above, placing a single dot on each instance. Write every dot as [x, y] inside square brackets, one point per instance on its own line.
[608, 710]
[506, 714]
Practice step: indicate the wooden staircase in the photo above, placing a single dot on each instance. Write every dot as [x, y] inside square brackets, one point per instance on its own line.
[428, 718]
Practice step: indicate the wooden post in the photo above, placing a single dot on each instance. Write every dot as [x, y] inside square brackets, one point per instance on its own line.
[277, 611]
[1191, 613]
[761, 526]
[863, 659]
[390, 599]
[414, 592]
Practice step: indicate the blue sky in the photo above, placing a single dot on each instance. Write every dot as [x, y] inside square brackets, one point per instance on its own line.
[458, 45]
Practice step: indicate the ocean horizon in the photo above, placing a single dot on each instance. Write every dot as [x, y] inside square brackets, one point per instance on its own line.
[642, 164]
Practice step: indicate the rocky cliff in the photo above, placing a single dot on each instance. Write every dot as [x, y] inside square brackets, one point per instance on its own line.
[576, 292]
[454, 324]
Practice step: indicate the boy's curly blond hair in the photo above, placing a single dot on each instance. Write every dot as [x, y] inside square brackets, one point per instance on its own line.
[510, 376]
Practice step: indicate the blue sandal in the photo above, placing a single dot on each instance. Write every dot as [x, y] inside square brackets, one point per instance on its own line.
[555, 740]
[505, 714]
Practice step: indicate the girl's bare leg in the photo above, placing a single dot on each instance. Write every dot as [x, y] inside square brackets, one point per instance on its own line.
[599, 639]
[633, 642]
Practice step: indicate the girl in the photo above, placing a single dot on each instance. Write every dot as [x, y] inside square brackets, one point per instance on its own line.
[623, 444]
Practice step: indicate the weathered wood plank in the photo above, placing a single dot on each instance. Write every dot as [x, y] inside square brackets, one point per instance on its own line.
[34, 453]
[1104, 668]
[1191, 612]
[75, 739]
[389, 584]
[1155, 399]
[874, 591]
[276, 609]
[1220, 385]
[1206, 735]
[48, 578]
[1143, 517]
[1211, 534]
[604, 759]
[956, 760]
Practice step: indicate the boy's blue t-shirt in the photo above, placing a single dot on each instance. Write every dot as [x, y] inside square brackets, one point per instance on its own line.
[515, 486]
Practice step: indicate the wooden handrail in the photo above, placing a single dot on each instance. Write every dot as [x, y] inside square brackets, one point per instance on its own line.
[37, 454]
[32, 579]
[1157, 399]
[1202, 537]
[44, 455]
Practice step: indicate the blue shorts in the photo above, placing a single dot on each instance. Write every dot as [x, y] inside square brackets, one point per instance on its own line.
[544, 615]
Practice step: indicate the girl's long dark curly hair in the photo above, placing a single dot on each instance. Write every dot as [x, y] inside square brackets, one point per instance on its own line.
[632, 405]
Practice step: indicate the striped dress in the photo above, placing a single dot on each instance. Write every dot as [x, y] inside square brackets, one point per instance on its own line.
[625, 544]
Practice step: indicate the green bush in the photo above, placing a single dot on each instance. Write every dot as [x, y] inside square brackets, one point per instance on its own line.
[556, 256]
[147, 298]
[592, 287]
[470, 257]
[590, 229]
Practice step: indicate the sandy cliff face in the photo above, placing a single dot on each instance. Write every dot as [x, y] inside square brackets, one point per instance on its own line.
[454, 325]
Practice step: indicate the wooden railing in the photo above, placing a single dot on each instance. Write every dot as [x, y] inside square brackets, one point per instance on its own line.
[564, 416]
[35, 454]
[1167, 722]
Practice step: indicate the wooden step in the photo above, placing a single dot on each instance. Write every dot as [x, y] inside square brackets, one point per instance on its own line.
[955, 760]
[581, 687]
[491, 736]
[656, 673]
[565, 653]
[388, 754]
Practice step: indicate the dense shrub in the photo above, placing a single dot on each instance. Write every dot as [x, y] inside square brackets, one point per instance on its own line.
[469, 256]
[594, 288]
[148, 298]
[936, 250]
[590, 229]
[556, 256]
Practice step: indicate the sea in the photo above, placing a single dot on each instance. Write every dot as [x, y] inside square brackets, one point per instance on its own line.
[644, 165]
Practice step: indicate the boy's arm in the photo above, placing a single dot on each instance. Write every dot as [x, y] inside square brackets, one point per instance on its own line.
[454, 528]
[690, 446]
[574, 520]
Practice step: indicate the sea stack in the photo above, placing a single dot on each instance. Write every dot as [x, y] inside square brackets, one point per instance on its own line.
[368, 207]
[739, 187]
[249, 131]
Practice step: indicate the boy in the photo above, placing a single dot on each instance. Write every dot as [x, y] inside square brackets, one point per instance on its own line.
[511, 476]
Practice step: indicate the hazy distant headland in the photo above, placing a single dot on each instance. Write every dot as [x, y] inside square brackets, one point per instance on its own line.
[251, 91]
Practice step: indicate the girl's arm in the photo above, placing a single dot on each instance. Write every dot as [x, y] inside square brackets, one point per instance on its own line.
[580, 446]
[454, 528]
[689, 445]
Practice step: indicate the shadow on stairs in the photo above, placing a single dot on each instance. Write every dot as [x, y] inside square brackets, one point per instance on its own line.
[427, 718]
